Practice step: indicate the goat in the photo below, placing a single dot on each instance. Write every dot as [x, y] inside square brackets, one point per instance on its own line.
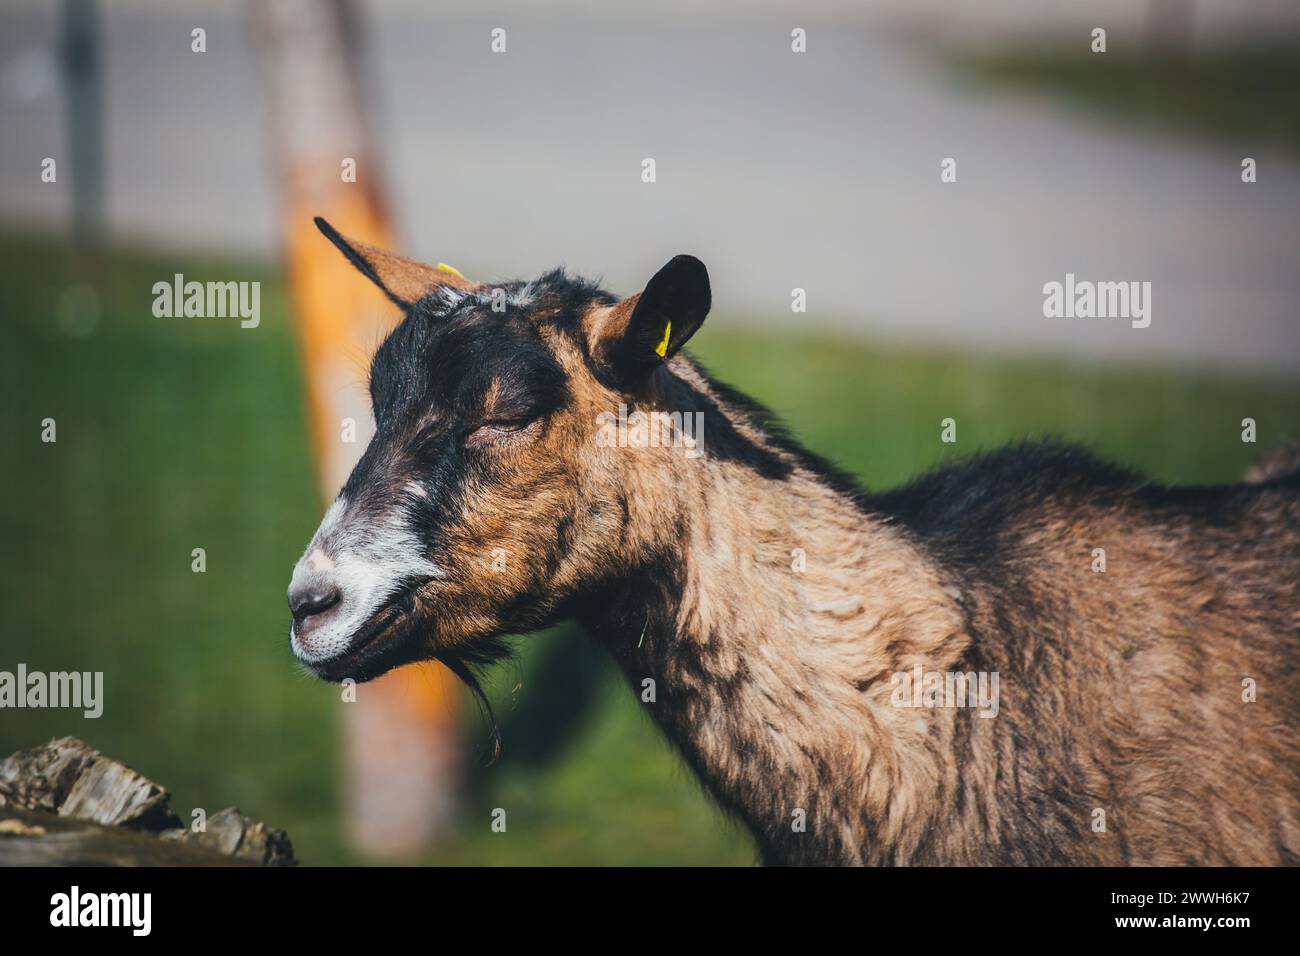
[1145, 707]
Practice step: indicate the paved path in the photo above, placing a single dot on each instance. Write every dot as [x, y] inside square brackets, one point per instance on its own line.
[818, 171]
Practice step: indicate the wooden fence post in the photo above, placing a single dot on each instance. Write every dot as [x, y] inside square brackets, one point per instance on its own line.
[400, 743]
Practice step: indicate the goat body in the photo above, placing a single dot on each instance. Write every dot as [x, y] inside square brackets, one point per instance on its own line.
[1147, 703]
[1130, 649]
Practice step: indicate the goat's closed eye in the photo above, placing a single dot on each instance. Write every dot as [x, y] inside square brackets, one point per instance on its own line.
[490, 433]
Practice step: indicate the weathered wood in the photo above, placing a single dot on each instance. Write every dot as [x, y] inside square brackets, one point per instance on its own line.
[67, 804]
[34, 838]
[69, 777]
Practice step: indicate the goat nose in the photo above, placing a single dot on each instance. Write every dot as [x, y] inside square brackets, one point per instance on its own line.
[313, 600]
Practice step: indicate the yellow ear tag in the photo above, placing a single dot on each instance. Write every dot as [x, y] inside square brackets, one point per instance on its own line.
[452, 269]
[662, 348]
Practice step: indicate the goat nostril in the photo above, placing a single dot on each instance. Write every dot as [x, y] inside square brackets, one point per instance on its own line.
[314, 601]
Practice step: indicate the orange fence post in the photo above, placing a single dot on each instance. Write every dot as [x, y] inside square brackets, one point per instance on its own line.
[400, 743]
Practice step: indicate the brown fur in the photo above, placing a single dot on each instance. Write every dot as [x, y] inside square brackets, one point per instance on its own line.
[1278, 463]
[1121, 692]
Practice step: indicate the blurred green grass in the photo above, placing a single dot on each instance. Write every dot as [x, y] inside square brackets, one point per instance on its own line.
[183, 433]
[1233, 93]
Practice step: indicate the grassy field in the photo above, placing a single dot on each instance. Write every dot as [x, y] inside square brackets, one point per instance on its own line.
[182, 433]
[1249, 93]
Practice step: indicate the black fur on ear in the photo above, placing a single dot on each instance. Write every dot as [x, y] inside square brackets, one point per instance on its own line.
[647, 329]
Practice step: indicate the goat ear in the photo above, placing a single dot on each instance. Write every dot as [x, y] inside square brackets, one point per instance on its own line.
[645, 330]
[403, 280]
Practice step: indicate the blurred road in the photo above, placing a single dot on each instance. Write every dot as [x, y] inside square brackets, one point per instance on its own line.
[819, 171]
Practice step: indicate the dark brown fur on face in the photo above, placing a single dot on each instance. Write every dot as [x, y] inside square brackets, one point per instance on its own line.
[1148, 695]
